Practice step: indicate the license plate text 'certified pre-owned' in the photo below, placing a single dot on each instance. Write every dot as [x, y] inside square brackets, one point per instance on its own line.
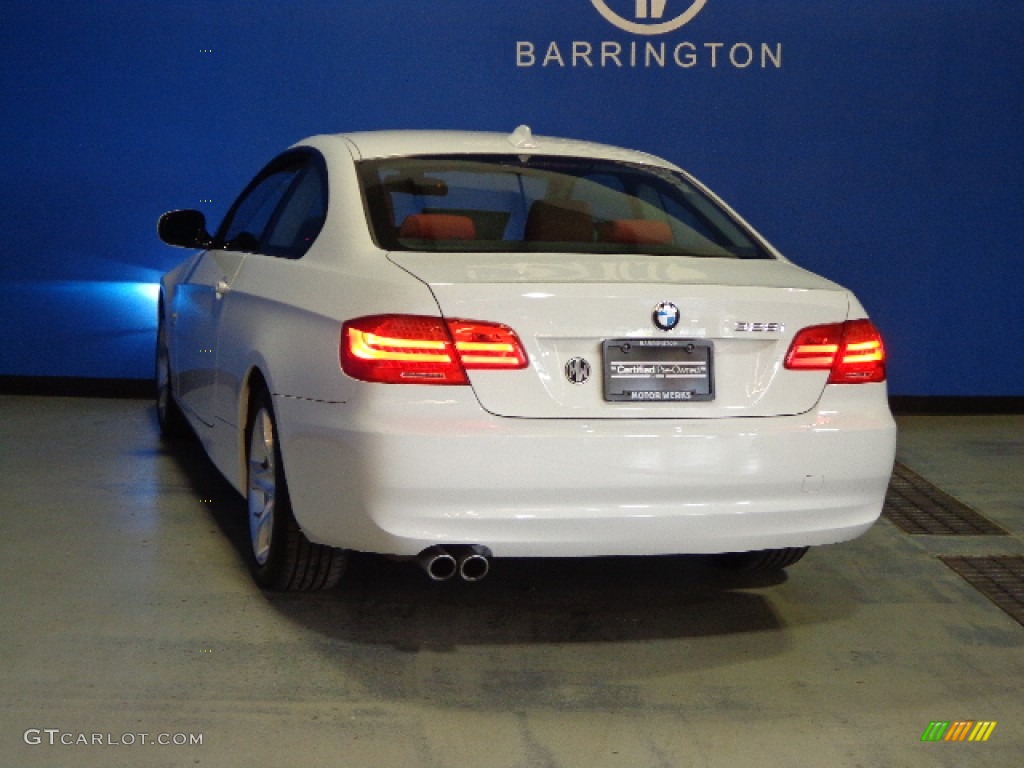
[657, 370]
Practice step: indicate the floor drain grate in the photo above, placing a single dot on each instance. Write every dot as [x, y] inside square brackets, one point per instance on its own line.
[1000, 579]
[918, 507]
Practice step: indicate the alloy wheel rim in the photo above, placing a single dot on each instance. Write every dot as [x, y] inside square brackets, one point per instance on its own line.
[262, 486]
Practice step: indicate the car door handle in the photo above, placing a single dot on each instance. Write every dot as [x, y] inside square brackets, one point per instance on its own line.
[221, 288]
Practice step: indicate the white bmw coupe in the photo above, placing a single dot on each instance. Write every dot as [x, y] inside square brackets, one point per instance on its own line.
[456, 346]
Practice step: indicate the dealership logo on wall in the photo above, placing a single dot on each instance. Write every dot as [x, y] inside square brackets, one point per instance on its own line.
[647, 19]
[650, 16]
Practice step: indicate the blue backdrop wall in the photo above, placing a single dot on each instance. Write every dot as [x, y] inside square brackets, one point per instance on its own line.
[879, 143]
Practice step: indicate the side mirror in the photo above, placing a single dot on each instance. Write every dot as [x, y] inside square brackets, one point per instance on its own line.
[184, 229]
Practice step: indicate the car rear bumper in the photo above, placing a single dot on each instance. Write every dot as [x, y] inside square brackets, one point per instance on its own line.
[396, 480]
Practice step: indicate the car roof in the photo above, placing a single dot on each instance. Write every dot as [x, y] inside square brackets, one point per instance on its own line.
[402, 143]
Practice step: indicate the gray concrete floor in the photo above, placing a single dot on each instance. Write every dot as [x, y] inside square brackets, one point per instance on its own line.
[127, 610]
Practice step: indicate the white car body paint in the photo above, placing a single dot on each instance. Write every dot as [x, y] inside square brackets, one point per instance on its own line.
[525, 462]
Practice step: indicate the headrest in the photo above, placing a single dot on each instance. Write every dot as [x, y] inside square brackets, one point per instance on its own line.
[438, 226]
[564, 221]
[638, 231]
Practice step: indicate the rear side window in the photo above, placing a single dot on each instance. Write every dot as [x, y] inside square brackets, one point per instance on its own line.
[282, 210]
[499, 203]
[301, 218]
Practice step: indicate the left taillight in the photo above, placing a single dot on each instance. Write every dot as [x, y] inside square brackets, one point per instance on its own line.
[417, 349]
[852, 352]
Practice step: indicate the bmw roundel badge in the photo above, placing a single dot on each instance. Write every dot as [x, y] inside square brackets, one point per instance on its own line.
[666, 315]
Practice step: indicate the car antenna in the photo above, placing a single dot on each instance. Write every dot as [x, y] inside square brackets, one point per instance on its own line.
[522, 137]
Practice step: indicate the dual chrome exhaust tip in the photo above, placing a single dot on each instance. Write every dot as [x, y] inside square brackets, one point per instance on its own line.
[471, 562]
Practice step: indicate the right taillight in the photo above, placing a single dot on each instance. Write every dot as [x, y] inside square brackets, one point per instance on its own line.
[416, 349]
[852, 352]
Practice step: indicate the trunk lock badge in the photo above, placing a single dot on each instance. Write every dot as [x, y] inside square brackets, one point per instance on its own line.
[577, 370]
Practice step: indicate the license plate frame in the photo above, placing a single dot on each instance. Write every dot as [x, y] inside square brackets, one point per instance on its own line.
[658, 370]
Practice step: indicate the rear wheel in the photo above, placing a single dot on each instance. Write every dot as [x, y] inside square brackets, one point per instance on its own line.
[281, 557]
[168, 415]
[760, 560]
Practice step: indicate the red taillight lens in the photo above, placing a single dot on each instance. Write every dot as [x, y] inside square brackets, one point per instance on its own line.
[399, 349]
[414, 349]
[486, 345]
[853, 351]
[863, 355]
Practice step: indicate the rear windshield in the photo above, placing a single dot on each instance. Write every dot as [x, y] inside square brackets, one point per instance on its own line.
[502, 204]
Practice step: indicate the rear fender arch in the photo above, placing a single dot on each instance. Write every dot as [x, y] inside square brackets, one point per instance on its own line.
[253, 382]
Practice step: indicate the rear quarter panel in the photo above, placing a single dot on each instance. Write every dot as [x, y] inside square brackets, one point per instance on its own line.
[283, 322]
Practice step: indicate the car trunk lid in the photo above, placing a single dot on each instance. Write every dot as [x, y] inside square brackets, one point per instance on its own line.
[588, 325]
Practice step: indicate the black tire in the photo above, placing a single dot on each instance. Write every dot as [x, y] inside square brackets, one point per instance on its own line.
[280, 555]
[760, 560]
[169, 417]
